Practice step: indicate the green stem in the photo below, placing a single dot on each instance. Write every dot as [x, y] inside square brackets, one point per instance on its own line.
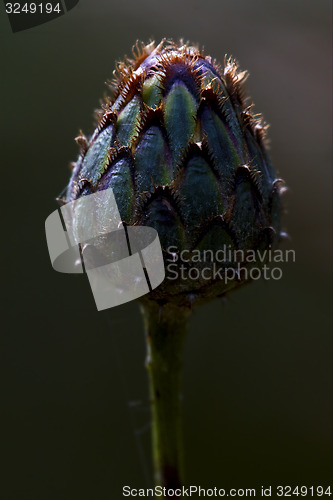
[165, 329]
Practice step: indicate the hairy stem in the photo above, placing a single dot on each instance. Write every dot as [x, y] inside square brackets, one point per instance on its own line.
[165, 329]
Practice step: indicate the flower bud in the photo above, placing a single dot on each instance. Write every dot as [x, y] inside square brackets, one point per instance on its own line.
[183, 152]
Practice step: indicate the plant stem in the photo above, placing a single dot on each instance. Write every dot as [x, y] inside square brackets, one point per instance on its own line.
[165, 329]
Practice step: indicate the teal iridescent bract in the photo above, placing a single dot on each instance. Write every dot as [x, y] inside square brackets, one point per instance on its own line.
[184, 154]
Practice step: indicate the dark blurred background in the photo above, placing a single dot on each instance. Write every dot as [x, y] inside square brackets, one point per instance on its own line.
[257, 379]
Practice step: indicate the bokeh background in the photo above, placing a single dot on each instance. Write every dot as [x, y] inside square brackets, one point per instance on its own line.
[257, 377]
